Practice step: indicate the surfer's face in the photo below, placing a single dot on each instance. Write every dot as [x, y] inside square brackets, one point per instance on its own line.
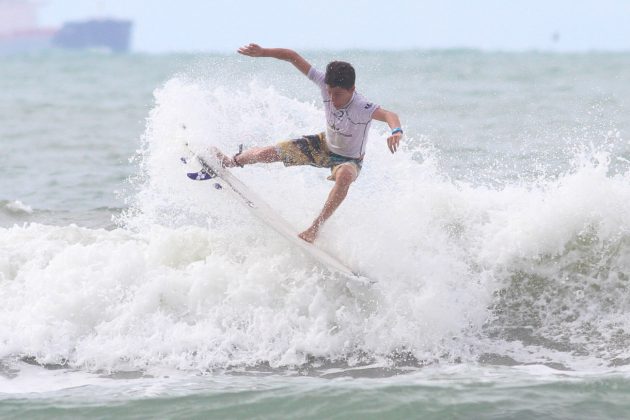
[340, 96]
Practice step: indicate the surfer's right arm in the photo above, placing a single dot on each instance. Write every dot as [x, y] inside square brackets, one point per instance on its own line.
[255, 50]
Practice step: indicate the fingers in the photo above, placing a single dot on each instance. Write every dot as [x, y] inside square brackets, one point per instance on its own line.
[251, 50]
[392, 143]
[246, 50]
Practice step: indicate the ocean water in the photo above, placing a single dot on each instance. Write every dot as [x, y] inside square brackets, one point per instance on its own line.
[498, 238]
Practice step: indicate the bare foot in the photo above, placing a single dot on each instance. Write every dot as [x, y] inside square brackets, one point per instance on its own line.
[226, 161]
[309, 235]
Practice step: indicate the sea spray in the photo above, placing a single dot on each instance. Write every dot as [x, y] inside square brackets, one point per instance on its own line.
[533, 271]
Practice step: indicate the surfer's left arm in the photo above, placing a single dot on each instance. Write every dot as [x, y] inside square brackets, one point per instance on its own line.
[394, 124]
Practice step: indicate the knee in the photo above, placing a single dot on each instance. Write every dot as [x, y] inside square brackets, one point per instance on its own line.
[266, 154]
[344, 177]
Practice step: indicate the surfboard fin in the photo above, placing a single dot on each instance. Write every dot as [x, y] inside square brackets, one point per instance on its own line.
[202, 175]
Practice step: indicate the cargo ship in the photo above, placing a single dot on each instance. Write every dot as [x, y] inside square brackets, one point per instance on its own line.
[20, 33]
[108, 34]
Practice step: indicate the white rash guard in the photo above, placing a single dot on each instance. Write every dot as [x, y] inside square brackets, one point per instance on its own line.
[347, 127]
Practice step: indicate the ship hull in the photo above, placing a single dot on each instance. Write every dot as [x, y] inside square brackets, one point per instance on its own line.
[108, 34]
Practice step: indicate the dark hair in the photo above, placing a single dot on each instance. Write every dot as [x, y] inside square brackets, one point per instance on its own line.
[339, 74]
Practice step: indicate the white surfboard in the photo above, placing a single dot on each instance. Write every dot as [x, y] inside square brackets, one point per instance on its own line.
[265, 213]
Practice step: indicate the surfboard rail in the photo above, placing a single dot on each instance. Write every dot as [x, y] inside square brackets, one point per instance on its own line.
[264, 212]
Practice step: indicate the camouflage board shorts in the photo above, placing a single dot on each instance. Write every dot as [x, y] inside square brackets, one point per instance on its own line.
[312, 150]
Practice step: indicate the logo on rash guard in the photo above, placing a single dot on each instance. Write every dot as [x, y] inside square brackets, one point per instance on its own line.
[340, 113]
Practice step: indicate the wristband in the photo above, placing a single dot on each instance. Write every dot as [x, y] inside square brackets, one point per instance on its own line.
[397, 130]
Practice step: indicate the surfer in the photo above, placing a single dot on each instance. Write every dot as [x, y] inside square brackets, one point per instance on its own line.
[341, 148]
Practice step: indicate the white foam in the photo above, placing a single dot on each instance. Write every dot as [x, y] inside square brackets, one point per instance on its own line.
[18, 207]
[192, 280]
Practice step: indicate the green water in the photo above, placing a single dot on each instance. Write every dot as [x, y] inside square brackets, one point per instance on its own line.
[498, 238]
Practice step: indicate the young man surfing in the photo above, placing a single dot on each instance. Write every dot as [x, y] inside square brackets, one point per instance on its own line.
[341, 148]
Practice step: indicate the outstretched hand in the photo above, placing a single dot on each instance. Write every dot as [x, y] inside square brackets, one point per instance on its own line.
[393, 141]
[251, 50]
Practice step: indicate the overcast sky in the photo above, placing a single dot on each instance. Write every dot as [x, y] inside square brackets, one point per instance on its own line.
[224, 25]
